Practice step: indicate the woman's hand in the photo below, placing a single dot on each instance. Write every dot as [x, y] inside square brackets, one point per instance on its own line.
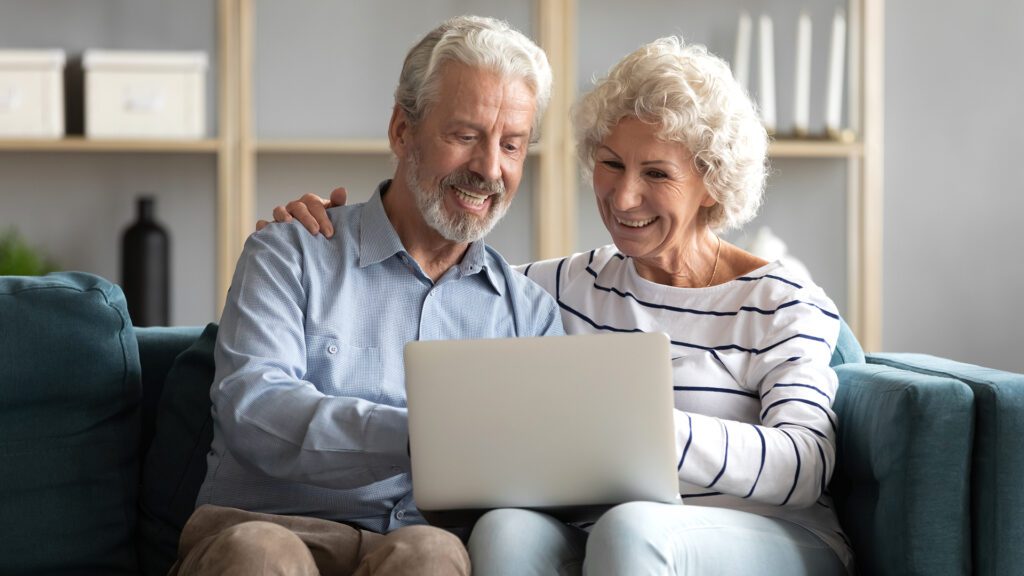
[311, 211]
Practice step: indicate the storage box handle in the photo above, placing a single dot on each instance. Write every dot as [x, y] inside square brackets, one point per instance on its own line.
[145, 102]
[10, 98]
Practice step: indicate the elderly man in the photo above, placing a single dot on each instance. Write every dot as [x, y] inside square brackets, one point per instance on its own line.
[309, 468]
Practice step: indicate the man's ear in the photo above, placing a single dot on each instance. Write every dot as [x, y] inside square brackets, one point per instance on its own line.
[399, 131]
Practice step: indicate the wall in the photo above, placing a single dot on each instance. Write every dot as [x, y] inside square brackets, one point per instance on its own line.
[954, 180]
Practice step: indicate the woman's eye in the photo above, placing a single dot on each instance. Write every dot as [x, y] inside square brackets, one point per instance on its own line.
[511, 147]
[656, 174]
[612, 164]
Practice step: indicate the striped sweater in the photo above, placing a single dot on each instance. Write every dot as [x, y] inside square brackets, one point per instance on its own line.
[755, 430]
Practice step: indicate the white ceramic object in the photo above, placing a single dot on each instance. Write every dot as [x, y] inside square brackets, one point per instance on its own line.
[767, 245]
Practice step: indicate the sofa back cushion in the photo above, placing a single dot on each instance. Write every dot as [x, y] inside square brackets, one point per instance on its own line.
[848, 350]
[159, 347]
[175, 464]
[69, 426]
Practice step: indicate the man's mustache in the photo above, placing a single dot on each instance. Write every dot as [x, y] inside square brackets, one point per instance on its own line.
[467, 179]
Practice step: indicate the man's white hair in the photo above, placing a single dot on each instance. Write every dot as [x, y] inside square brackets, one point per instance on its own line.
[692, 97]
[478, 42]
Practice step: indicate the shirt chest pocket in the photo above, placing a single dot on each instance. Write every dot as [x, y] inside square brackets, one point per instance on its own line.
[340, 369]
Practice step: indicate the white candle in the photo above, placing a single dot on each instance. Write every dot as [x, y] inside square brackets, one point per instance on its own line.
[767, 92]
[741, 59]
[802, 99]
[836, 61]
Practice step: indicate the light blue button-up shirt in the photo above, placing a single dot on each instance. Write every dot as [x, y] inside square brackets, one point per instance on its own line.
[309, 393]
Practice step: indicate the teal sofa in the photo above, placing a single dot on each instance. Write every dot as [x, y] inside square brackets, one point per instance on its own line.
[104, 430]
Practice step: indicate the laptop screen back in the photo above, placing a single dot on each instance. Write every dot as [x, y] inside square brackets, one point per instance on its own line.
[542, 423]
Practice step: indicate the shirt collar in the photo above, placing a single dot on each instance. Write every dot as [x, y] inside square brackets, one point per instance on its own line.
[378, 241]
[476, 260]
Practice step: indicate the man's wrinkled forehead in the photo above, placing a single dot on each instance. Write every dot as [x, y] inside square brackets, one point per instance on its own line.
[464, 86]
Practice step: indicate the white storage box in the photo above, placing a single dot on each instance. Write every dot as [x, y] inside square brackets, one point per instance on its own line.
[32, 93]
[144, 94]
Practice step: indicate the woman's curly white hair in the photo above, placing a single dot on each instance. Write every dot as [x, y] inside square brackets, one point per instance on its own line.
[691, 95]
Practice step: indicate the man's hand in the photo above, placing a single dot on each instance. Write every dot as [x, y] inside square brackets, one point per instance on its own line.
[310, 211]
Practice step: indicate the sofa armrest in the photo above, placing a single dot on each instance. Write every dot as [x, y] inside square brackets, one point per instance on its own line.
[997, 501]
[903, 464]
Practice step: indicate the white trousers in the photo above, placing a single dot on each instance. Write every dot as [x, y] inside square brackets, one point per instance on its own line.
[642, 538]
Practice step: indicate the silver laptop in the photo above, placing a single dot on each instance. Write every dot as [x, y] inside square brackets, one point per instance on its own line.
[566, 424]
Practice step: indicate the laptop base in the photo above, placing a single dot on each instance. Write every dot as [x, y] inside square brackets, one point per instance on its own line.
[469, 516]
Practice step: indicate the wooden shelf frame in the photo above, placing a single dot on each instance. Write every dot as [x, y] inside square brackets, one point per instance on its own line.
[556, 186]
[82, 144]
[808, 148]
[866, 207]
[356, 146]
[324, 146]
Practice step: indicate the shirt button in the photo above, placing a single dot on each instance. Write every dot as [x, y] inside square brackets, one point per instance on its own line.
[332, 349]
[400, 514]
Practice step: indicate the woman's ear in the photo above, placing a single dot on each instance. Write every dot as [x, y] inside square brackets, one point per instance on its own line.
[708, 200]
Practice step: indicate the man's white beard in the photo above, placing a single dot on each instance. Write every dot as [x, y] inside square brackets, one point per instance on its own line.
[457, 227]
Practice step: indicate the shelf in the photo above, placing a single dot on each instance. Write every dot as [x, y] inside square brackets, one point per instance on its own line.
[82, 144]
[809, 148]
[785, 148]
[325, 146]
[334, 146]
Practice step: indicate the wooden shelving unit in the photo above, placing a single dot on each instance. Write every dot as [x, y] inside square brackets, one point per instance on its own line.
[81, 144]
[358, 146]
[803, 148]
[325, 146]
[555, 201]
[863, 156]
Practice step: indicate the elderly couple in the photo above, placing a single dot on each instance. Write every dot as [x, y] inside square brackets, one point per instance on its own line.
[309, 468]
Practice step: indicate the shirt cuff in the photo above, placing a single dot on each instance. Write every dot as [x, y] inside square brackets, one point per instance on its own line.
[387, 434]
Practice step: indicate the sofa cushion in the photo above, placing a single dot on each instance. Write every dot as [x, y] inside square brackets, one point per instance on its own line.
[848, 350]
[175, 465]
[69, 426]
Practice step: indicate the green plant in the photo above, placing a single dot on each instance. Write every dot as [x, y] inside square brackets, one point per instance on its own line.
[17, 258]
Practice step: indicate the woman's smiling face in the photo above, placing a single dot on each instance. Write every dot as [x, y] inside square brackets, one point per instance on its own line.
[649, 193]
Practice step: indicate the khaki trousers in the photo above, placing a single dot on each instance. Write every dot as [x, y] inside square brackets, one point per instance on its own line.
[228, 541]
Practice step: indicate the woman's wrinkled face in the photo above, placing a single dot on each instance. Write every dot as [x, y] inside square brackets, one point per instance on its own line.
[649, 193]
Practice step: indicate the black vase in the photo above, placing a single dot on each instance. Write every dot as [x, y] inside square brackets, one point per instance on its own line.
[145, 268]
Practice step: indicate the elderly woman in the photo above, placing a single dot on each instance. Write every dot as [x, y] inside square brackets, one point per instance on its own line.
[677, 155]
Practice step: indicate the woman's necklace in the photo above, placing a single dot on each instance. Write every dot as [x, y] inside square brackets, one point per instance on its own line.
[718, 254]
